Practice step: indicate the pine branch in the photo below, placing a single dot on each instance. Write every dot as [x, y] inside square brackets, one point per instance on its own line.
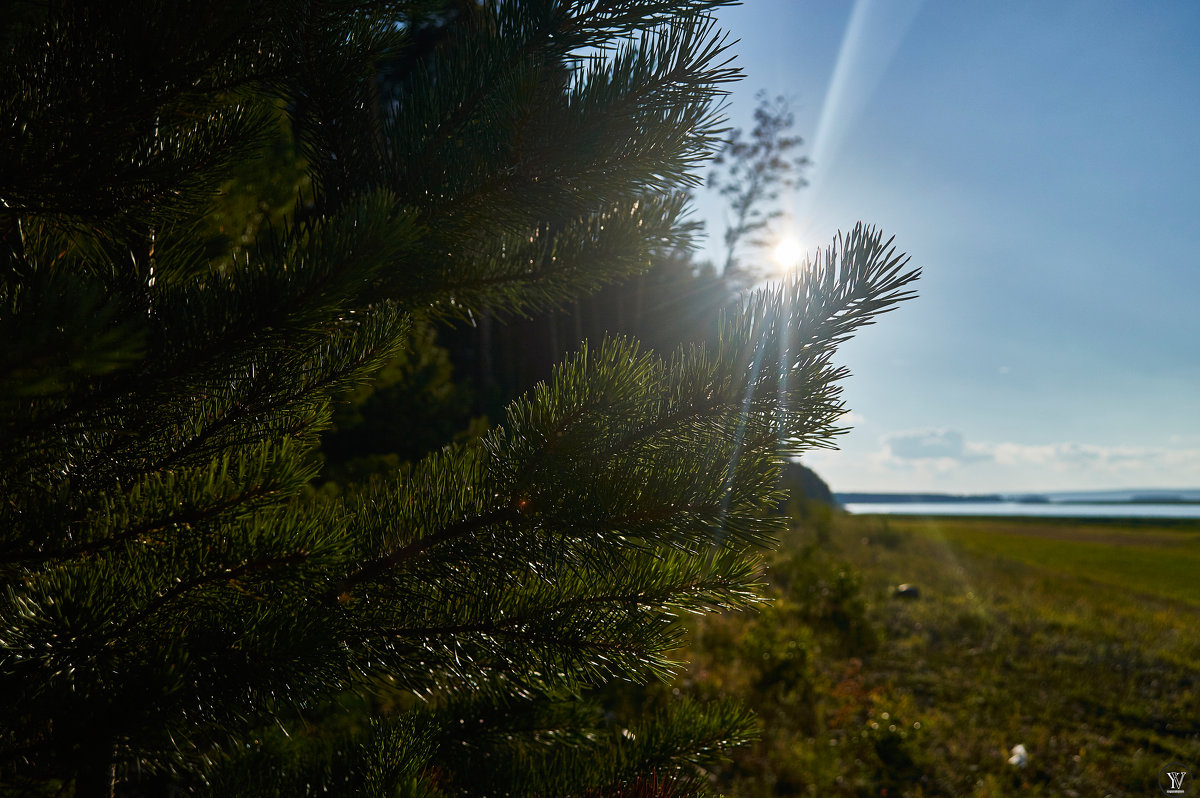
[393, 560]
[230, 575]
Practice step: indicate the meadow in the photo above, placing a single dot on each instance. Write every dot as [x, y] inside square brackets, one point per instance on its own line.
[1079, 640]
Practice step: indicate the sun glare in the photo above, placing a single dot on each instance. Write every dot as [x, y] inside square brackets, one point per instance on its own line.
[788, 253]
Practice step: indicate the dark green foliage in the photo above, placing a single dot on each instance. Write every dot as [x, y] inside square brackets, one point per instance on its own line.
[808, 500]
[804, 484]
[262, 193]
[827, 595]
[180, 611]
[411, 407]
[660, 754]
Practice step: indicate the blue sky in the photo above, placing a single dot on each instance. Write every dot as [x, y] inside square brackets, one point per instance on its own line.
[1040, 161]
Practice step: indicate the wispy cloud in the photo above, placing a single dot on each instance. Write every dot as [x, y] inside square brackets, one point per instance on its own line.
[1068, 456]
[945, 451]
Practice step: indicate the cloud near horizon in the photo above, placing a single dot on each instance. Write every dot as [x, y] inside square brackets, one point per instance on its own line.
[942, 451]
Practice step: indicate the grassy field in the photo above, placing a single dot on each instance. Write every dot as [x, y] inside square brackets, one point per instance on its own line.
[1079, 640]
[1152, 561]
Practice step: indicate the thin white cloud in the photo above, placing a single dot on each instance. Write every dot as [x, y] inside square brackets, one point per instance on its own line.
[852, 418]
[942, 452]
[1067, 456]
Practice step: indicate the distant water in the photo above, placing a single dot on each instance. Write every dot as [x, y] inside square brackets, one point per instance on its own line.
[1043, 509]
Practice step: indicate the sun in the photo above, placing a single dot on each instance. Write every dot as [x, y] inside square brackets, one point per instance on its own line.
[788, 253]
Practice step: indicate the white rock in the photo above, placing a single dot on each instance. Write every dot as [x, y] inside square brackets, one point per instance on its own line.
[1020, 757]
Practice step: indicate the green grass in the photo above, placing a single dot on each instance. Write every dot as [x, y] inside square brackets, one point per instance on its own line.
[1076, 639]
[1155, 561]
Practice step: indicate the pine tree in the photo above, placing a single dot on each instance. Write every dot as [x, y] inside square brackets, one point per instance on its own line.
[179, 613]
